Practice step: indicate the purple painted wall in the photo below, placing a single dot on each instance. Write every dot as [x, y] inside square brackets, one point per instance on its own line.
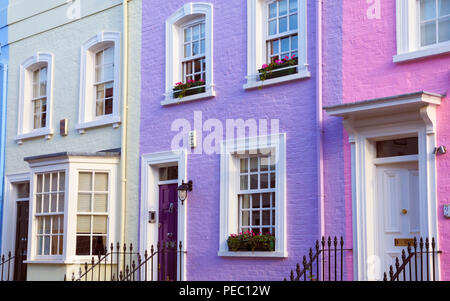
[294, 104]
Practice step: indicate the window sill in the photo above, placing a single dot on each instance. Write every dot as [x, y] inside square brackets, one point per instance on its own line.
[172, 101]
[82, 127]
[422, 53]
[253, 254]
[43, 261]
[45, 132]
[303, 73]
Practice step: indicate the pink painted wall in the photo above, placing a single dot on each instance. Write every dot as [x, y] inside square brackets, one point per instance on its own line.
[368, 46]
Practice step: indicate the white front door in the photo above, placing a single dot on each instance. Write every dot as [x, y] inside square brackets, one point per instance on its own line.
[397, 205]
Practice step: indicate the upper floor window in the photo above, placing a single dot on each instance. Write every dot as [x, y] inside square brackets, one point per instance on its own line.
[434, 21]
[104, 81]
[189, 62]
[39, 98]
[100, 81]
[35, 98]
[277, 42]
[423, 28]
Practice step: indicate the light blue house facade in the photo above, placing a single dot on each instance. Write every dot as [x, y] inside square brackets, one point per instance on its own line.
[4, 55]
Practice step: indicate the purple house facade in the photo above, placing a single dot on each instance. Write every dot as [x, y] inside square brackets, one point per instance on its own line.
[244, 131]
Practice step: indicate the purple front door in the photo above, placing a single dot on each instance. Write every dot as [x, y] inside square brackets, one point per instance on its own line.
[167, 234]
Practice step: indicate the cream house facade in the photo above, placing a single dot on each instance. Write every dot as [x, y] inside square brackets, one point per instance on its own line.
[72, 160]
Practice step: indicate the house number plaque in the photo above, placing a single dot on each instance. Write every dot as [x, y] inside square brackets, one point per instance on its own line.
[403, 242]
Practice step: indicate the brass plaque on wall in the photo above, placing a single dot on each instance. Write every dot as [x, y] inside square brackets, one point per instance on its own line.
[403, 242]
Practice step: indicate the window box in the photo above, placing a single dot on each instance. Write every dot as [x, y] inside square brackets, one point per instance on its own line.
[249, 241]
[190, 88]
[267, 72]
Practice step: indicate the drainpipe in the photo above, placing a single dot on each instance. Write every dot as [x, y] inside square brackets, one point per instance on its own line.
[319, 116]
[123, 150]
[4, 71]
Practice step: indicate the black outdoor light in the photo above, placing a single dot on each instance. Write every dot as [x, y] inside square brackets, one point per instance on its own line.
[183, 191]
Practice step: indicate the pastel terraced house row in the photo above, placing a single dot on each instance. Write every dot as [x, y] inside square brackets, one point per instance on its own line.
[221, 140]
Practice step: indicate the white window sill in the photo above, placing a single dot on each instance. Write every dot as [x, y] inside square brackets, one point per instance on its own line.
[44, 132]
[303, 73]
[422, 53]
[45, 261]
[171, 101]
[82, 127]
[253, 254]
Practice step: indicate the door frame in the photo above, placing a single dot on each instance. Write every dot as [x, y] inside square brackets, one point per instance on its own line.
[363, 162]
[149, 201]
[10, 213]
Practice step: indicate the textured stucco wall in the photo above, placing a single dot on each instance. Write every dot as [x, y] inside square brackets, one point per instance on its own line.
[294, 104]
[368, 72]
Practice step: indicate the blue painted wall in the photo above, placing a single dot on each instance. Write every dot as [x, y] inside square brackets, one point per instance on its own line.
[4, 58]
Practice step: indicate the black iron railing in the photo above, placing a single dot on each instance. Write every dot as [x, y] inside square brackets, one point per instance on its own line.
[124, 264]
[325, 263]
[12, 266]
[418, 265]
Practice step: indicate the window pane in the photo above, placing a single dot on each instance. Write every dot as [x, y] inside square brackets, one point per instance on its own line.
[285, 45]
[397, 147]
[83, 224]
[195, 48]
[294, 42]
[55, 224]
[264, 163]
[197, 66]
[202, 30]
[283, 25]
[428, 33]
[62, 181]
[85, 181]
[292, 6]
[53, 202]
[83, 245]
[273, 27]
[195, 32]
[99, 225]
[245, 201]
[256, 219]
[293, 22]
[254, 181]
[427, 9]
[283, 7]
[46, 245]
[23, 190]
[244, 182]
[84, 202]
[61, 201]
[266, 200]
[46, 204]
[108, 72]
[39, 183]
[47, 183]
[101, 182]
[264, 181]
[244, 165]
[444, 30]
[203, 47]
[38, 204]
[98, 245]
[275, 47]
[109, 56]
[187, 50]
[444, 7]
[254, 164]
[187, 34]
[272, 180]
[101, 203]
[266, 218]
[245, 218]
[54, 185]
[47, 224]
[40, 225]
[272, 10]
[256, 201]
[43, 82]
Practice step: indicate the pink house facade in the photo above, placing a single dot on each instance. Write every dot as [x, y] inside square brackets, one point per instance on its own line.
[395, 68]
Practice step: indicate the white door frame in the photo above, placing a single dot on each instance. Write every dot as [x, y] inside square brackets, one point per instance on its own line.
[10, 212]
[150, 164]
[363, 157]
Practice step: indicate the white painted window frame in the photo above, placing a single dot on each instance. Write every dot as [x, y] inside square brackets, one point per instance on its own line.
[174, 50]
[229, 189]
[87, 115]
[25, 118]
[72, 167]
[150, 164]
[257, 35]
[408, 34]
